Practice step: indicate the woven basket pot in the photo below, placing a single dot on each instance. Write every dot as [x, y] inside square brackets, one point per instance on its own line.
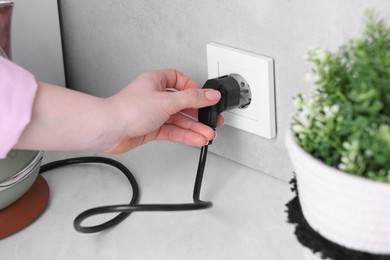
[348, 210]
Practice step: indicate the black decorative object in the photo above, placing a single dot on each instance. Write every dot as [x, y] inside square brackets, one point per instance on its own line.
[315, 242]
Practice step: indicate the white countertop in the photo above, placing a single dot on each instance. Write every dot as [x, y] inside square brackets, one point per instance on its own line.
[247, 220]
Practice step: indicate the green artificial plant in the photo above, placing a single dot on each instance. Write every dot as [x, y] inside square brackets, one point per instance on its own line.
[345, 122]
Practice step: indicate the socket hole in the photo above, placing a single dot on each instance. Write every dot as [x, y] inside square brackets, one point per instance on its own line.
[245, 91]
[246, 95]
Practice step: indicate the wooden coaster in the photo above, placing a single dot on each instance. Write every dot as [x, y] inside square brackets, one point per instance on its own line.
[26, 209]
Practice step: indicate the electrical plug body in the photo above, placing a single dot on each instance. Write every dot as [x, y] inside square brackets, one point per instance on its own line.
[235, 93]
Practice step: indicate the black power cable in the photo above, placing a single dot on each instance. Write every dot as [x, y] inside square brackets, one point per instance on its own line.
[235, 92]
[126, 209]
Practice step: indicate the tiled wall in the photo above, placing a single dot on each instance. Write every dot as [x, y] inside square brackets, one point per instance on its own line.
[109, 42]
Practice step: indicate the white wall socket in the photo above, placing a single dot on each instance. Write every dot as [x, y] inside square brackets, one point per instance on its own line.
[258, 71]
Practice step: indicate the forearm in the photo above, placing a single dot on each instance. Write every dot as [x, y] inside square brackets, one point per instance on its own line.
[63, 119]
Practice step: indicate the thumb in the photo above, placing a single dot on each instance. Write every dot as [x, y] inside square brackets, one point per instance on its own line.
[194, 98]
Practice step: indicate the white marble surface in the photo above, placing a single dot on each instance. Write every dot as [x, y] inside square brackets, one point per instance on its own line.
[246, 222]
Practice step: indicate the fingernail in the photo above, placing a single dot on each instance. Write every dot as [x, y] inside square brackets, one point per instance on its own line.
[215, 135]
[213, 95]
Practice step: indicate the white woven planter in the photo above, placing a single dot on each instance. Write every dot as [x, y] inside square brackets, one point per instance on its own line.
[349, 210]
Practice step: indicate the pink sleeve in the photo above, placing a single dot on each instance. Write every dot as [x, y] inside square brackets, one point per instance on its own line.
[17, 93]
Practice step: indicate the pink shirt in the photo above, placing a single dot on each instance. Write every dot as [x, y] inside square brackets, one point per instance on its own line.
[17, 93]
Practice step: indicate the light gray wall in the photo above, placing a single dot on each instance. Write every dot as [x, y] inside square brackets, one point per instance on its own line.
[36, 39]
[109, 42]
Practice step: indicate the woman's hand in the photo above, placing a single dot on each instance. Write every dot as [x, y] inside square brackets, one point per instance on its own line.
[150, 112]
[64, 119]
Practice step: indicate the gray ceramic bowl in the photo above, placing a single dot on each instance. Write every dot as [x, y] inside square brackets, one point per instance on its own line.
[17, 173]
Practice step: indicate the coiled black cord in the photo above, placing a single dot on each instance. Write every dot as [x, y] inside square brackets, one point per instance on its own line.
[126, 209]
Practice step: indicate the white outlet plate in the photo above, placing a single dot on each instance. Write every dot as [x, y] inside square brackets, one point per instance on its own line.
[258, 71]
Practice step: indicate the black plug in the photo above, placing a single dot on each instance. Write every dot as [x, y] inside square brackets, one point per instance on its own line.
[235, 93]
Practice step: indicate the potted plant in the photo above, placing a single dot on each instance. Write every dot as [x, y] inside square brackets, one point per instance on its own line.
[339, 142]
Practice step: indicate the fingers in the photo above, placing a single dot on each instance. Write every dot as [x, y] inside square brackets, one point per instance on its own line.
[191, 98]
[179, 129]
[180, 135]
[175, 79]
[194, 113]
[188, 95]
[182, 129]
[189, 124]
